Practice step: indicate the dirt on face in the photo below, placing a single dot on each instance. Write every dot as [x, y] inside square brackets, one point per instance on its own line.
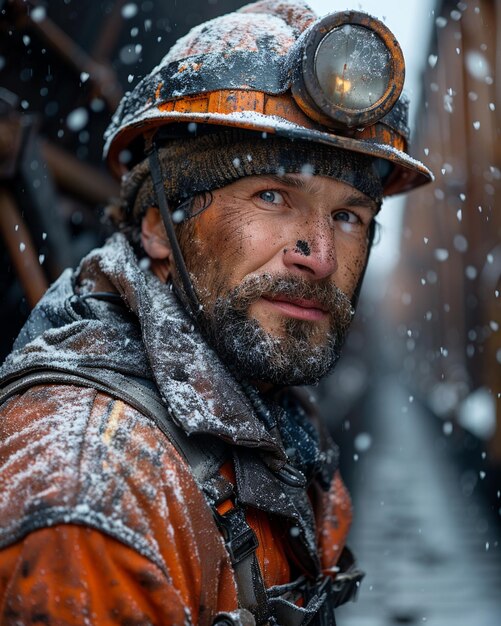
[255, 253]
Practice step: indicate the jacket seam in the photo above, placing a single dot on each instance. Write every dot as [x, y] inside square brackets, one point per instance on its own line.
[6, 594]
[84, 435]
[53, 516]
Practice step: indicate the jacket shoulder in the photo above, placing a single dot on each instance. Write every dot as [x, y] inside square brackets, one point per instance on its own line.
[74, 455]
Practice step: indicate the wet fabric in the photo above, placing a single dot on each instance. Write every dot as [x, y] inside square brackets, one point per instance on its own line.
[299, 437]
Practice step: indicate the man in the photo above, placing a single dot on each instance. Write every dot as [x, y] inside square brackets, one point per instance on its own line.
[157, 466]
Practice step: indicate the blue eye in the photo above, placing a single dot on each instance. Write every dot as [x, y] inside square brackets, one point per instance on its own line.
[273, 197]
[346, 216]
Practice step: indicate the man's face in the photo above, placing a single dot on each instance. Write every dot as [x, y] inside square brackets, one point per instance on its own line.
[275, 262]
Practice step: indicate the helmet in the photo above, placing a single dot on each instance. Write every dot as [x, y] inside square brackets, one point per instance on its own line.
[274, 67]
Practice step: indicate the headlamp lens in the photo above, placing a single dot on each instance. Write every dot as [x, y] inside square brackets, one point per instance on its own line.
[353, 67]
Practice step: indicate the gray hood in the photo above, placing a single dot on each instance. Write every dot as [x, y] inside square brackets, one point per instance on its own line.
[146, 334]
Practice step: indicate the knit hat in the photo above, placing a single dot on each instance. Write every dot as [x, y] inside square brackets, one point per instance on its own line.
[193, 165]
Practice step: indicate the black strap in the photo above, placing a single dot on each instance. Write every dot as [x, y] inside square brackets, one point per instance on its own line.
[189, 298]
[204, 461]
[241, 543]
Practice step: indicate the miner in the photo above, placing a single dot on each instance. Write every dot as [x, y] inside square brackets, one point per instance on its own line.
[160, 460]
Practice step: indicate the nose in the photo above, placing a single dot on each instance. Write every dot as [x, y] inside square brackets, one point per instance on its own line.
[314, 254]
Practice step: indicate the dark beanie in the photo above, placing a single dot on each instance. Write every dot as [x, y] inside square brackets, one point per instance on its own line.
[194, 165]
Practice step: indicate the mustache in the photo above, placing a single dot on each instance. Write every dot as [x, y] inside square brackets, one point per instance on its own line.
[330, 297]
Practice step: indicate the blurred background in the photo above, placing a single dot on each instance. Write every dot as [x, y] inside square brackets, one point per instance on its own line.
[415, 403]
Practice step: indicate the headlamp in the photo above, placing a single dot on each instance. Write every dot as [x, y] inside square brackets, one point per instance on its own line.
[350, 71]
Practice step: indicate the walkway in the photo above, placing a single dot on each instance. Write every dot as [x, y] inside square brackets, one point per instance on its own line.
[430, 547]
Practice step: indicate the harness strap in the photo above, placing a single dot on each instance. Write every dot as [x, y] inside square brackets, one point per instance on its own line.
[240, 540]
[138, 393]
[241, 543]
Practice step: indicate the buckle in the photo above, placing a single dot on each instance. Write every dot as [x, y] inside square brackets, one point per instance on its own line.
[345, 586]
[240, 539]
[291, 476]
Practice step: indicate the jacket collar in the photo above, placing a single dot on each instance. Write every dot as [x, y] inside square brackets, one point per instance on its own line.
[157, 341]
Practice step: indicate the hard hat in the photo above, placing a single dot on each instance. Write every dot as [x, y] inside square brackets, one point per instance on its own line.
[274, 67]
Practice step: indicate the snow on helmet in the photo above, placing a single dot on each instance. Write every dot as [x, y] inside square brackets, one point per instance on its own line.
[274, 67]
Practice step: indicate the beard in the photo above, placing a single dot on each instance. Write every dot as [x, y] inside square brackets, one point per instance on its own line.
[302, 354]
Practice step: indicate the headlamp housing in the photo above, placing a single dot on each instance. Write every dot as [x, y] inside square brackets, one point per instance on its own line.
[349, 71]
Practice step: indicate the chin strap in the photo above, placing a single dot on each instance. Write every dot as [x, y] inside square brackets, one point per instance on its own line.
[370, 240]
[187, 294]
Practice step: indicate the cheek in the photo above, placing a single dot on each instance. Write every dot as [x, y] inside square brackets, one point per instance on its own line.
[238, 241]
[351, 264]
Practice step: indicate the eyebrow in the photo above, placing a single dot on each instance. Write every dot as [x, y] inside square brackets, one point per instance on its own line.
[363, 201]
[290, 181]
[357, 199]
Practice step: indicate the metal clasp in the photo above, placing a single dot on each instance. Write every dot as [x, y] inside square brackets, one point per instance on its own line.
[291, 476]
[240, 539]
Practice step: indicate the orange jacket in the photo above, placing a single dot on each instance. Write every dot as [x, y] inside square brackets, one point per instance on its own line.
[102, 522]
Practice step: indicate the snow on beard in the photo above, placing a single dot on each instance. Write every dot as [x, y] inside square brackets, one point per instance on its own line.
[302, 355]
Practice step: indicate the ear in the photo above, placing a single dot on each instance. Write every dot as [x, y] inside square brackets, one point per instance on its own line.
[155, 243]
[153, 236]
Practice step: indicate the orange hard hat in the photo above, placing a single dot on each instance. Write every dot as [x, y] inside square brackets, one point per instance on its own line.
[274, 67]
